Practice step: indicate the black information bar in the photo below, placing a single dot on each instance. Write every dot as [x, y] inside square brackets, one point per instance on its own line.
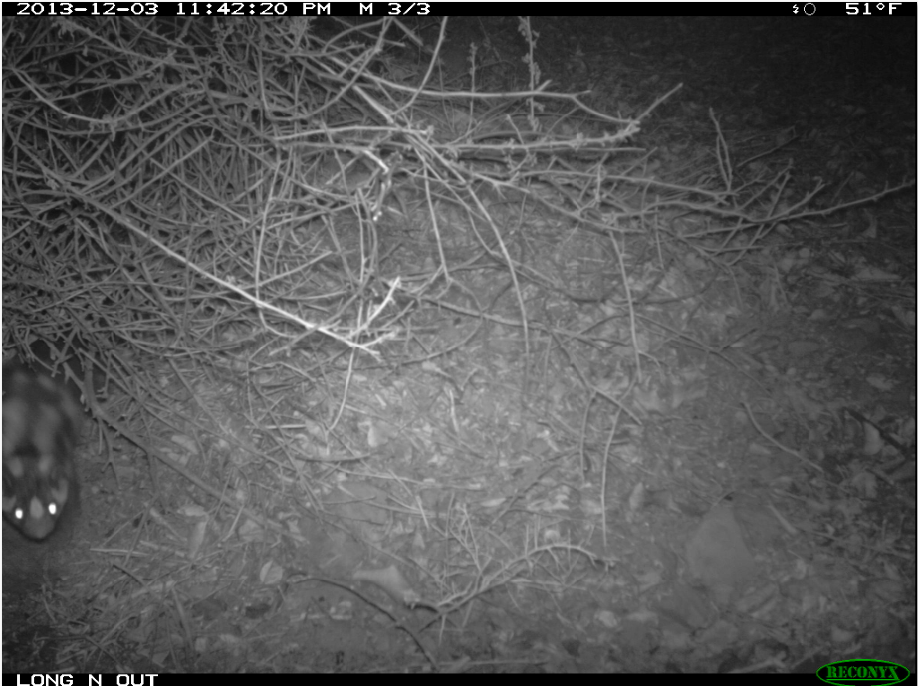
[858, 11]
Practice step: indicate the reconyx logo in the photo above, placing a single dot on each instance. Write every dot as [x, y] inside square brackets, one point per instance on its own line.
[861, 672]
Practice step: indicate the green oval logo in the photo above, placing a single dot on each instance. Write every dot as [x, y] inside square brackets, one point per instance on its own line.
[860, 672]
